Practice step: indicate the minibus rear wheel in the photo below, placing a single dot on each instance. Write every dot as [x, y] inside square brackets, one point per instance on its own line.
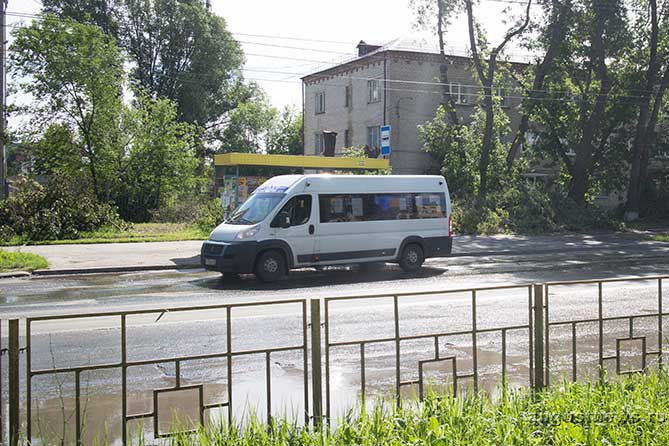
[412, 258]
[270, 266]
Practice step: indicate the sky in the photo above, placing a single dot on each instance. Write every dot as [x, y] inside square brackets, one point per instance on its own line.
[286, 39]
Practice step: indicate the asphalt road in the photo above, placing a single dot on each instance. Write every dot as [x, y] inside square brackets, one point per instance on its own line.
[95, 341]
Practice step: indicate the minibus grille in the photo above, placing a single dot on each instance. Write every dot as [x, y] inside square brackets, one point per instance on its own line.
[210, 248]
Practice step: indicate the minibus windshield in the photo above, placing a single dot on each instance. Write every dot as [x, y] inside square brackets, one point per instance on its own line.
[255, 209]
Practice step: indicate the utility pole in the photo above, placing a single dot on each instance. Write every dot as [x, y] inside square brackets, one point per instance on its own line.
[4, 189]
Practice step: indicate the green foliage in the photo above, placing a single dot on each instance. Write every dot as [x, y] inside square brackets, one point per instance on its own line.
[58, 210]
[137, 232]
[57, 153]
[185, 53]
[449, 145]
[631, 411]
[210, 215]
[359, 152]
[250, 126]
[24, 261]
[74, 75]
[137, 156]
[159, 163]
[526, 207]
[458, 149]
[102, 13]
[285, 138]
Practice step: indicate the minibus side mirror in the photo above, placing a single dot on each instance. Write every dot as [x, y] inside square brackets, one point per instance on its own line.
[284, 220]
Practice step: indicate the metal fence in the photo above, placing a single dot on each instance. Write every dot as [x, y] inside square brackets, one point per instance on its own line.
[393, 350]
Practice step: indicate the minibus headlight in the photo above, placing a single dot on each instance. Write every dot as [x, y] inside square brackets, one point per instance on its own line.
[247, 233]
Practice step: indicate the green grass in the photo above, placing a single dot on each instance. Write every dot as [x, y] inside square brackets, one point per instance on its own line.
[139, 232]
[661, 238]
[631, 411]
[11, 261]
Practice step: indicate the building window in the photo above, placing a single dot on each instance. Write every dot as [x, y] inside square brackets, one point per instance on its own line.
[320, 102]
[319, 142]
[503, 95]
[374, 137]
[348, 96]
[373, 89]
[459, 93]
[347, 138]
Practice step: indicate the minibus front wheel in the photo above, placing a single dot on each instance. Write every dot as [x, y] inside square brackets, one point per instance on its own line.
[270, 266]
[412, 258]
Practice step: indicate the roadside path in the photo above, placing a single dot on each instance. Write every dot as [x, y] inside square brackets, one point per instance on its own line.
[119, 257]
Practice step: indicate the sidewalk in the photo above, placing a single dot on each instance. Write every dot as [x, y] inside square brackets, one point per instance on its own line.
[118, 257]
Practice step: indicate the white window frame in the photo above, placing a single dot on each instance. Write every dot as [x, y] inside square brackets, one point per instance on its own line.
[374, 136]
[373, 91]
[320, 102]
[348, 96]
[348, 140]
[319, 143]
[458, 93]
[503, 95]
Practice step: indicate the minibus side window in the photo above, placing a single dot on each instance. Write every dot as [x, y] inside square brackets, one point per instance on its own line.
[299, 209]
[430, 205]
[337, 208]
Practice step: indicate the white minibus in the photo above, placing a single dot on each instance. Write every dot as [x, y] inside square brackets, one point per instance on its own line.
[296, 221]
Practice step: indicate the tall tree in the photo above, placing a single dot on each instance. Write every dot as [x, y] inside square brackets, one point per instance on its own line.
[486, 69]
[178, 50]
[250, 126]
[652, 49]
[74, 74]
[437, 14]
[102, 13]
[602, 28]
[552, 33]
[584, 108]
[183, 52]
[286, 137]
[159, 162]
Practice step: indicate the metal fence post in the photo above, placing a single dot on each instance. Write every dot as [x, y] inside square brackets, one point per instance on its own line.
[539, 322]
[13, 382]
[316, 371]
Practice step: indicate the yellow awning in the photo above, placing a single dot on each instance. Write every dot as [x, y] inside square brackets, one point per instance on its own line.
[307, 162]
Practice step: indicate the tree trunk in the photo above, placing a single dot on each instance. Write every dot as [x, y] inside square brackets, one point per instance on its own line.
[487, 80]
[639, 146]
[557, 33]
[443, 68]
[579, 183]
[487, 139]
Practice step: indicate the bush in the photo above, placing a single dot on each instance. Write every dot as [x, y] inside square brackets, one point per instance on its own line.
[210, 215]
[527, 208]
[52, 212]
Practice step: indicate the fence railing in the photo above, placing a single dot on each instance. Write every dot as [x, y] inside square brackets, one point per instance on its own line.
[384, 344]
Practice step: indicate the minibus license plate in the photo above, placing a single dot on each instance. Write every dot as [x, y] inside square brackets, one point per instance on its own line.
[210, 262]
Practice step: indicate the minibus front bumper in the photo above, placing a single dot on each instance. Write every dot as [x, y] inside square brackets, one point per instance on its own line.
[232, 257]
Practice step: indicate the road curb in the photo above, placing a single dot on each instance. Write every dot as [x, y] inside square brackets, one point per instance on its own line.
[14, 274]
[112, 269]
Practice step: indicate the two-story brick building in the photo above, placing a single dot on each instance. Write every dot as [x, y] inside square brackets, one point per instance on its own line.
[395, 84]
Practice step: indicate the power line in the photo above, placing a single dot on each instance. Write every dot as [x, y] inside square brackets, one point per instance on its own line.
[272, 45]
[27, 15]
[302, 39]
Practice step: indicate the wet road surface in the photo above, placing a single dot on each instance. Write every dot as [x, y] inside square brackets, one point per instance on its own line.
[167, 335]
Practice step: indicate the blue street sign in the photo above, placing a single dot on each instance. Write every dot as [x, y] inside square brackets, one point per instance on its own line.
[385, 140]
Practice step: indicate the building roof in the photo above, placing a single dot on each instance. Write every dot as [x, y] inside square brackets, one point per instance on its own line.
[414, 44]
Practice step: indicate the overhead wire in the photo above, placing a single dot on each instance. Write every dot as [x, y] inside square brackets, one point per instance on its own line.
[331, 62]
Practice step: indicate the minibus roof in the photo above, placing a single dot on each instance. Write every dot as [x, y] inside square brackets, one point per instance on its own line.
[361, 183]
